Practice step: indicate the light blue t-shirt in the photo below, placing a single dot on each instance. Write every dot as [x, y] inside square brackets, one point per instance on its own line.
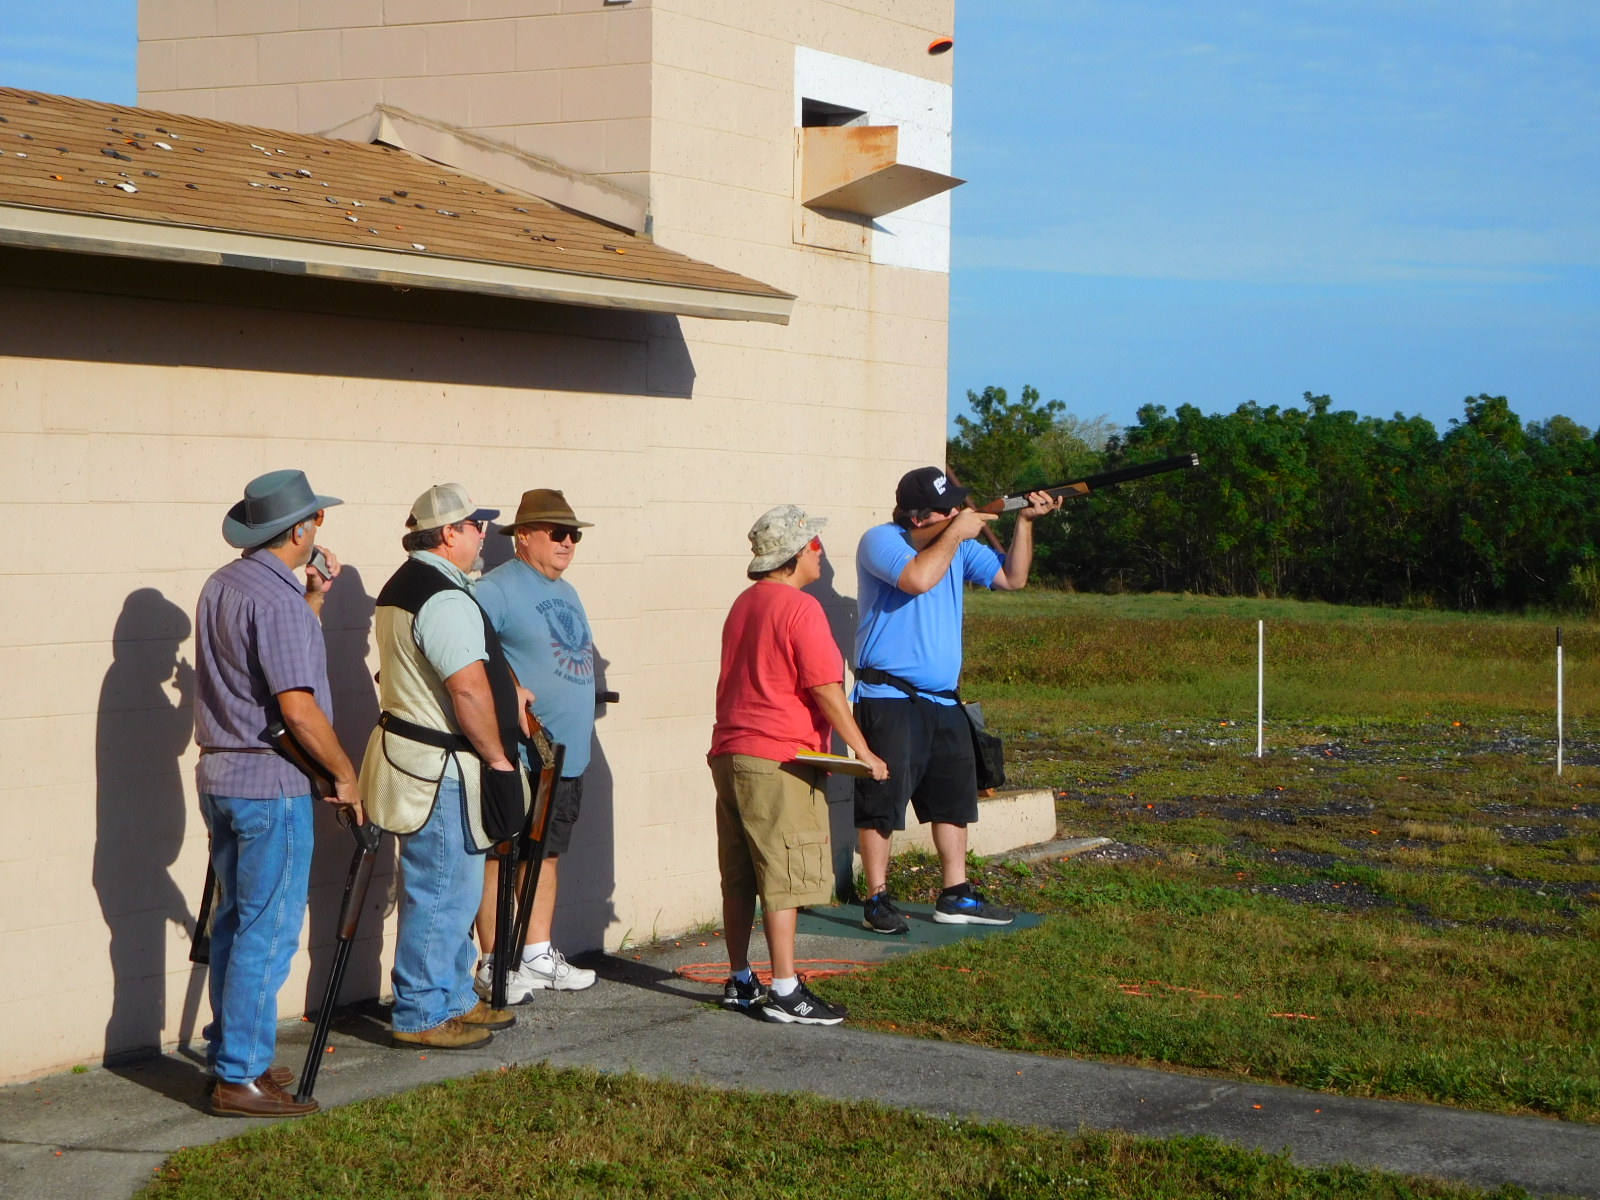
[917, 638]
[448, 627]
[546, 637]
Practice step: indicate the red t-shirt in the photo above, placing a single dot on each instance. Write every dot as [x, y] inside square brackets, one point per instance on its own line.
[776, 646]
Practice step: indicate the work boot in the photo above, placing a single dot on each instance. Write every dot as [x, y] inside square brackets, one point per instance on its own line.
[451, 1034]
[263, 1098]
[484, 1017]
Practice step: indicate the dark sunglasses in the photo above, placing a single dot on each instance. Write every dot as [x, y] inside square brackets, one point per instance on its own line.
[560, 533]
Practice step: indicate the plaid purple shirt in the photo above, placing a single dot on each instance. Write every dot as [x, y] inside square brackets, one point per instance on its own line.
[255, 636]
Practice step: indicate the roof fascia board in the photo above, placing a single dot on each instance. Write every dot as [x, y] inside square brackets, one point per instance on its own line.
[88, 234]
[496, 162]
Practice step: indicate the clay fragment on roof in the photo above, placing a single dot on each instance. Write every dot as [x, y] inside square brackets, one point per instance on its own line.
[370, 210]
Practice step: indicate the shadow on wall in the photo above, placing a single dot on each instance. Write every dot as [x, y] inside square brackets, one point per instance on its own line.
[141, 815]
[294, 325]
[586, 905]
[841, 613]
[346, 631]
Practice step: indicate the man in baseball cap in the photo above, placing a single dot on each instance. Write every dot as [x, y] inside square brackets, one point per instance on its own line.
[911, 574]
[441, 768]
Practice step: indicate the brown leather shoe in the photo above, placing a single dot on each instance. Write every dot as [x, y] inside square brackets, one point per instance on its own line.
[281, 1076]
[485, 1017]
[263, 1098]
[447, 1035]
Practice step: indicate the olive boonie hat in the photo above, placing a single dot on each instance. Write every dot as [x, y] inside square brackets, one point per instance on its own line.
[272, 503]
[446, 504]
[545, 504]
[779, 534]
[927, 487]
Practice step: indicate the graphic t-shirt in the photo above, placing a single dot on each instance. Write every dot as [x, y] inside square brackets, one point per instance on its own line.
[547, 640]
[776, 647]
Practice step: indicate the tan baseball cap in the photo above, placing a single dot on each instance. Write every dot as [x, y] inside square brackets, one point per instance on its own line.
[446, 504]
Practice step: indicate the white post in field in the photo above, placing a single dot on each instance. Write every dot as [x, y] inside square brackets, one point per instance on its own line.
[1560, 744]
[1261, 694]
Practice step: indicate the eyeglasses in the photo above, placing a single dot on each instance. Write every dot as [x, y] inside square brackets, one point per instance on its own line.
[481, 526]
[561, 533]
[815, 544]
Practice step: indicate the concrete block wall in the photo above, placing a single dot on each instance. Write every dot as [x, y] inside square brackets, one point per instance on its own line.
[132, 424]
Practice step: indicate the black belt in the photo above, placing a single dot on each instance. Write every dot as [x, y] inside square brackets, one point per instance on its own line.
[873, 675]
[236, 750]
[412, 732]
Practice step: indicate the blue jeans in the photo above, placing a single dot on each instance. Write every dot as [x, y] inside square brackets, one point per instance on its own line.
[261, 850]
[440, 887]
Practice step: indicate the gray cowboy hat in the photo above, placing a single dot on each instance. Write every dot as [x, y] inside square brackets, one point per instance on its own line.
[272, 503]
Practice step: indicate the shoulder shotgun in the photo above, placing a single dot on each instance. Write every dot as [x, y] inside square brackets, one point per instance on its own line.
[1094, 483]
[1013, 501]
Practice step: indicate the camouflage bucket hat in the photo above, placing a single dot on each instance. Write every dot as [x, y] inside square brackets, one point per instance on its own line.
[779, 534]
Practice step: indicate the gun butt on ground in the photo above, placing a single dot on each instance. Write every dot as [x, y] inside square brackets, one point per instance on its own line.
[1094, 483]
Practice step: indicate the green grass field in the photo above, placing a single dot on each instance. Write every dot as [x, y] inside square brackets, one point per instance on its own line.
[535, 1132]
[1399, 899]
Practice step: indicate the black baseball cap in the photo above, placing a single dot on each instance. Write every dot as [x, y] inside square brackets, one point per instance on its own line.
[927, 487]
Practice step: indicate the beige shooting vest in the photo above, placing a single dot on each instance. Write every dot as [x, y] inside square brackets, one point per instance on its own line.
[400, 776]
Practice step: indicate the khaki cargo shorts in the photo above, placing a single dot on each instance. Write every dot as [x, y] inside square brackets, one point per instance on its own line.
[772, 831]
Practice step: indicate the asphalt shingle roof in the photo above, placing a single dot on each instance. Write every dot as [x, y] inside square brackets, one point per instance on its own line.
[71, 156]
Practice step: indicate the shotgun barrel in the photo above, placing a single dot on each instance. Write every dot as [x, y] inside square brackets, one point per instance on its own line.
[1094, 483]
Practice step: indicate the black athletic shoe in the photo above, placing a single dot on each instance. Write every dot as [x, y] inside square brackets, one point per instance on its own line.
[879, 914]
[800, 1007]
[741, 996]
[961, 905]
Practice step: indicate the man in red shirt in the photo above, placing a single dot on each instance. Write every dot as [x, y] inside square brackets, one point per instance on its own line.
[781, 691]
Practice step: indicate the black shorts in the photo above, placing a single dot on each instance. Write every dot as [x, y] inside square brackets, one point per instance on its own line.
[565, 804]
[928, 748]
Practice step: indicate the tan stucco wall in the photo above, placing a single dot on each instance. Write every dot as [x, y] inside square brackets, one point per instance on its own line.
[130, 425]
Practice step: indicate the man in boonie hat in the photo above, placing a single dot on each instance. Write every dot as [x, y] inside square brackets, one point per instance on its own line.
[257, 635]
[441, 767]
[780, 692]
[545, 631]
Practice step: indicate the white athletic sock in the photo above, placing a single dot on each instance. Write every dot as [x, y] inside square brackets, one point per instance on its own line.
[533, 951]
[784, 986]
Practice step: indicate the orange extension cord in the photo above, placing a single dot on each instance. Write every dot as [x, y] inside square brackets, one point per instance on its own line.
[807, 968]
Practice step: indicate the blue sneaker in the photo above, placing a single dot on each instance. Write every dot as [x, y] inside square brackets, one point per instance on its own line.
[961, 905]
[879, 914]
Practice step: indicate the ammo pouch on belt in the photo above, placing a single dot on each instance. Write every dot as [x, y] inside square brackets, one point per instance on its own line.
[499, 793]
[988, 751]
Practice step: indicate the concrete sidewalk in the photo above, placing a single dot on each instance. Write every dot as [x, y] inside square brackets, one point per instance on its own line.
[99, 1135]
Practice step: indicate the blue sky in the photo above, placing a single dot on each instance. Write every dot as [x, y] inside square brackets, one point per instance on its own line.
[1396, 202]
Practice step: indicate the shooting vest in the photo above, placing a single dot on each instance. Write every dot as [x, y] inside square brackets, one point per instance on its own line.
[417, 735]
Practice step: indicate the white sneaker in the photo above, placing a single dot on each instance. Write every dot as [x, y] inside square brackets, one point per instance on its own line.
[518, 989]
[551, 970]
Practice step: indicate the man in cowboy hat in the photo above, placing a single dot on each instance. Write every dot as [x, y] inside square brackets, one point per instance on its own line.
[780, 690]
[546, 634]
[440, 769]
[259, 656]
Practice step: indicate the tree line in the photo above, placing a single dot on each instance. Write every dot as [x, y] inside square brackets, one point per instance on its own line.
[1307, 502]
